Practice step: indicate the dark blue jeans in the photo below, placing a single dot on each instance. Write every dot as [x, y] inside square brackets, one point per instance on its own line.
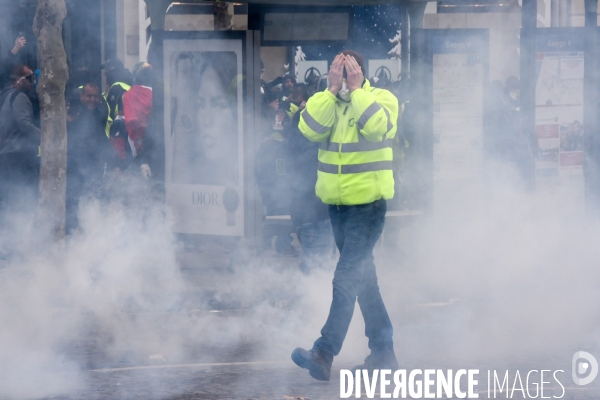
[356, 230]
[316, 241]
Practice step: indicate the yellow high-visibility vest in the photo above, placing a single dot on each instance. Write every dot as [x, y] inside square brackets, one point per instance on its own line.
[125, 87]
[355, 158]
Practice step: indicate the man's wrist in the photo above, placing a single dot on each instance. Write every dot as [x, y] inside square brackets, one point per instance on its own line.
[15, 50]
[333, 91]
[352, 89]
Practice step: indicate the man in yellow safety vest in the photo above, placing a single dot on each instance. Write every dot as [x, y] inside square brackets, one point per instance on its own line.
[355, 124]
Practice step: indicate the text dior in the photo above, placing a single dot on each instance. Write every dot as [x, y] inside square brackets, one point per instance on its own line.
[205, 198]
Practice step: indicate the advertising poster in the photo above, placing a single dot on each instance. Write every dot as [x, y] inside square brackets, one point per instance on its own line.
[459, 69]
[204, 135]
[559, 116]
[306, 69]
[385, 69]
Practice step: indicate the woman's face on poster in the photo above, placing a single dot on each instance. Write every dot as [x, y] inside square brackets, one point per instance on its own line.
[215, 119]
[205, 140]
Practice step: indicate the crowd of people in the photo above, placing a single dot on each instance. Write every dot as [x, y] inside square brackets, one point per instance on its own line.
[106, 131]
[106, 139]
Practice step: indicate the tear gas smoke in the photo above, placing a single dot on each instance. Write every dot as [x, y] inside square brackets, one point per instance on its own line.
[509, 280]
[495, 275]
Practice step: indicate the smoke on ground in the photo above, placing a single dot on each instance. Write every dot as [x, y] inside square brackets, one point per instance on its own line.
[508, 278]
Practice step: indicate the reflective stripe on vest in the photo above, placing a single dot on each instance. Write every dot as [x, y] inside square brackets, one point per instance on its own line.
[123, 86]
[362, 145]
[389, 124]
[313, 124]
[355, 168]
[369, 112]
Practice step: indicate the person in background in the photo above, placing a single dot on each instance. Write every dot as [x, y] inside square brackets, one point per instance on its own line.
[309, 214]
[19, 136]
[513, 146]
[119, 80]
[19, 161]
[312, 83]
[137, 107]
[273, 181]
[88, 150]
[579, 136]
[289, 83]
[14, 58]
[353, 122]
[269, 108]
[279, 89]
[10, 60]
[78, 78]
[290, 104]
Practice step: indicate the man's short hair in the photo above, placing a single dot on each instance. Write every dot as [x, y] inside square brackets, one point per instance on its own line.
[90, 84]
[291, 78]
[113, 63]
[143, 76]
[18, 72]
[299, 91]
[359, 59]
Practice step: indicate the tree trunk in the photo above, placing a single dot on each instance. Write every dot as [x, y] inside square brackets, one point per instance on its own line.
[223, 16]
[47, 26]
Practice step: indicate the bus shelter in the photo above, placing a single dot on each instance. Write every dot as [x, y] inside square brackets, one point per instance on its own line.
[449, 71]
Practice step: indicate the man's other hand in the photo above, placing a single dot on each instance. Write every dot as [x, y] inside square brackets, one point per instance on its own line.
[146, 171]
[19, 45]
[355, 76]
[336, 74]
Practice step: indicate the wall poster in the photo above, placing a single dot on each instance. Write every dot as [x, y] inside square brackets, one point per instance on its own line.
[204, 115]
[305, 69]
[559, 116]
[385, 69]
[459, 68]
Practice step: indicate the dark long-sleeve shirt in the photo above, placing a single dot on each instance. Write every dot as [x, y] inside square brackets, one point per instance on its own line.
[8, 62]
[88, 148]
[18, 131]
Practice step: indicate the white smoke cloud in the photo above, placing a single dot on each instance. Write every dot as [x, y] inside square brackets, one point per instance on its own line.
[508, 279]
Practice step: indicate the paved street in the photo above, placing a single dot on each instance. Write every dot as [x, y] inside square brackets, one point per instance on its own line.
[260, 380]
